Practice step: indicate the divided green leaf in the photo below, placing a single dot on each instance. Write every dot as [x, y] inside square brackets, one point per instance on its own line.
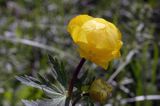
[55, 89]
[58, 70]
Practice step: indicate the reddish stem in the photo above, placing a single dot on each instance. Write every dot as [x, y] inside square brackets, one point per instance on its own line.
[74, 77]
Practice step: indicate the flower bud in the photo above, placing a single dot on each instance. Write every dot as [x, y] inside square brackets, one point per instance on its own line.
[100, 90]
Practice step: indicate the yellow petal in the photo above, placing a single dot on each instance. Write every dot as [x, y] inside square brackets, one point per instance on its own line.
[95, 33]
[75, 24]
[114, 31]
[110, 28]
[116, 54]
[102, 64]
[98, 56]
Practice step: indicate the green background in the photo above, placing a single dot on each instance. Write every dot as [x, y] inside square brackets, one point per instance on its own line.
[31, 29]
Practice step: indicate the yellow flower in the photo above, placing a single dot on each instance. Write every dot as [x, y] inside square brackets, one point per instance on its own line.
[98, 40]
[100, 91]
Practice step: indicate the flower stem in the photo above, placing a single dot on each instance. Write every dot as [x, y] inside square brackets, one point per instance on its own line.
[74, 77]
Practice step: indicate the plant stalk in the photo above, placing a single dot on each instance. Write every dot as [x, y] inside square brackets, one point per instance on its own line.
[74, 77]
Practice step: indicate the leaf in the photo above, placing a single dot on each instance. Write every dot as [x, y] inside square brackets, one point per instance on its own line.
[29, 103]
[47, 102]
[54, 84]
[55, 91]
[58, 70]
[155, 62]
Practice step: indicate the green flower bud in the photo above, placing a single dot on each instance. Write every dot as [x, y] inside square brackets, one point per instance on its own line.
[100, 90]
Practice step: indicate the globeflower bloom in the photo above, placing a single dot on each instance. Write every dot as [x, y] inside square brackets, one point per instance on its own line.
[97, 39]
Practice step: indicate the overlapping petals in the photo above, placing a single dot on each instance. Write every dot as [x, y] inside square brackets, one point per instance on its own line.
[97, 39]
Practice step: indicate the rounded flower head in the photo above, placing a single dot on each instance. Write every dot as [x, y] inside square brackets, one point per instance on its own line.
[100, 91]
[97, 39]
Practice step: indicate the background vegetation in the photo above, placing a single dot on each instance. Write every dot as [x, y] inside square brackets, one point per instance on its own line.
[31, 29]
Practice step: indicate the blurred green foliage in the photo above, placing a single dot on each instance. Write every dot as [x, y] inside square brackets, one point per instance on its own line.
[30, 29]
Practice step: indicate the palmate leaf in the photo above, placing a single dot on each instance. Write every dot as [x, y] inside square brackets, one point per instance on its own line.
[31, 81]
[47, 102]
[30, 103]
[55, 89]
[58, 70]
